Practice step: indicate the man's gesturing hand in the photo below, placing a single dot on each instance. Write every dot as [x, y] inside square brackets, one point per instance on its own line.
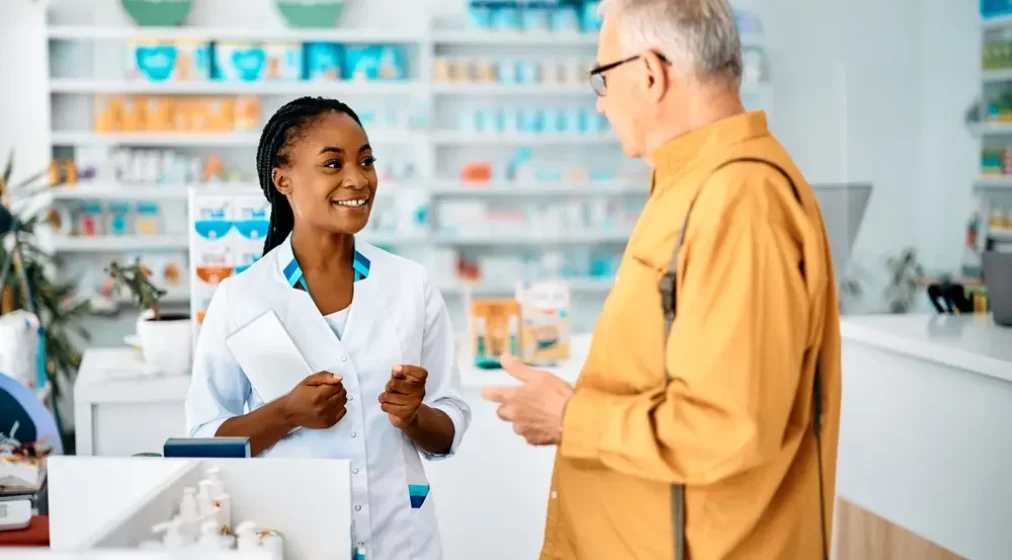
[536, 407]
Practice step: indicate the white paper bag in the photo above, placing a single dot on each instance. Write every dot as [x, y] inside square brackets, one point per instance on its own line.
[19, 347]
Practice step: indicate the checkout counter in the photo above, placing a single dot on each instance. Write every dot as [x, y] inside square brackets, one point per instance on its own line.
[924, 468]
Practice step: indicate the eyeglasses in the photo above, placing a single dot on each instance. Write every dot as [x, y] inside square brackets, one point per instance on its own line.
[596, 77]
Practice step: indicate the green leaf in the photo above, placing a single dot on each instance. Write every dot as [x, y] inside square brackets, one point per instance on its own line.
[9, 169]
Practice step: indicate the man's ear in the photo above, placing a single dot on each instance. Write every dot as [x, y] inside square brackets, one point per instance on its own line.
[281, 181]
[657, 75]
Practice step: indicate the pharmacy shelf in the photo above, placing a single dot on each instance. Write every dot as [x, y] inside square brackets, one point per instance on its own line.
[992, 128]
[573, 188]
[996, 76]
[172, 296]
[389, 239]
[339, 35]
[110, 243]
[469, 37]
[454, 138]
[469, 88]
[997, 22]
[196, 139]
[113, 191]
[995, 182]
[570, 237]
[208, 87]
[576, 285]
[1001, 235]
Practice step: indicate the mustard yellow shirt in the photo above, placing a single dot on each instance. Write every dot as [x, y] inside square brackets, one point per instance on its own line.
[734, 425]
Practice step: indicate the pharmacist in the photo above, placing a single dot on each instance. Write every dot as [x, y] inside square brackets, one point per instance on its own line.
[368, 322]
[696, 402]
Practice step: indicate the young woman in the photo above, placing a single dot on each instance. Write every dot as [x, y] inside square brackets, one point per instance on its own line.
[367, 321]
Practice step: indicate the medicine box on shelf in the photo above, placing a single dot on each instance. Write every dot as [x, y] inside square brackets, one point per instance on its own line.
[111, 504]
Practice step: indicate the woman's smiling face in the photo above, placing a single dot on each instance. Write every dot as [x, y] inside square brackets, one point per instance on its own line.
[330, 177]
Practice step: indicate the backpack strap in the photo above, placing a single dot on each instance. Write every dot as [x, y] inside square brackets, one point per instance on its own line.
[669, 300]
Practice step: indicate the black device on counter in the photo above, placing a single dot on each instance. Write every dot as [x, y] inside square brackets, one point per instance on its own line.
[208, 448]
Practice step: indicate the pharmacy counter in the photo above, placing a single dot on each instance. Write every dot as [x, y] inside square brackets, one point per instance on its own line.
[925, 467]
[119, 414]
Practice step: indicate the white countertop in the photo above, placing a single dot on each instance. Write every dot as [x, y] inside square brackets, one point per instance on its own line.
[116, 375]
[113, 375]
[970, 342]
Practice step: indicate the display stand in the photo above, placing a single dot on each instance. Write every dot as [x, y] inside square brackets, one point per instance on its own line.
[99, 503]
[227, 230]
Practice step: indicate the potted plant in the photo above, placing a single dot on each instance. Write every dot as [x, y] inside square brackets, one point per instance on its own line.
[165, 339]
[31, 286]
[904, 281]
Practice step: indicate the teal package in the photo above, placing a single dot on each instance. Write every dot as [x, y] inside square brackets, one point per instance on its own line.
[238, 61]
[155, 61]
[324, 61]
[391, 64]
[362, 61]
[591, 16]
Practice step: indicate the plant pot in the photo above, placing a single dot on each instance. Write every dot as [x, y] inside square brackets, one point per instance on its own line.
[311, 13]
[164, 13]
[166, 344]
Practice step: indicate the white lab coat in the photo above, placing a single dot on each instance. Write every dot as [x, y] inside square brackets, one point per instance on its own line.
[396, 317]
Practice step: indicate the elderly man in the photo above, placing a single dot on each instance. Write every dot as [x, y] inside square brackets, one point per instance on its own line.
[705, 421]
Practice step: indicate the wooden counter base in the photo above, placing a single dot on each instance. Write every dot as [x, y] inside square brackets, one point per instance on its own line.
[862, 535]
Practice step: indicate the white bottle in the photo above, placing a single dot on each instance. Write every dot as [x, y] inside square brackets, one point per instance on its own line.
[210, 536]
[217, 486]
[274, 544]
[205, 502]
[247, 539]
[189, 514]
[172, 539]
[221, 498]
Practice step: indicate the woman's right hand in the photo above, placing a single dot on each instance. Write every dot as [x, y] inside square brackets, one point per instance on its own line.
[318, 402]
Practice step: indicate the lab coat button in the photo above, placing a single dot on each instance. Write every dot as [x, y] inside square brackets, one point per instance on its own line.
[344, 358]
[353, 434]
[358, 508]
[354, 471]
[351, 398]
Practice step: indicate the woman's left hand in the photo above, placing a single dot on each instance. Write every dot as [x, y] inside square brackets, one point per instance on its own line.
[403, 395]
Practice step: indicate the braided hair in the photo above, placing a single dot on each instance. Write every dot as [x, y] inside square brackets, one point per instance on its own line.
[280, 130]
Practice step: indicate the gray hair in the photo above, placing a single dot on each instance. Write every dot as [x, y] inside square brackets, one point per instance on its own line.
[699, 37]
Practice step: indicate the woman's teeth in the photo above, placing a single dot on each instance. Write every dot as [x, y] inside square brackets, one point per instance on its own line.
[352, 203]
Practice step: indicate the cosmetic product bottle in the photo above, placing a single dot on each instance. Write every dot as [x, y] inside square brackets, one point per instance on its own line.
[172, 539]
[221, 499]
[247, 539]
[359, 553]
[205, 502]
[514, 336]
[210, 537]
[479, 330]
[273, 542]
[189, 513]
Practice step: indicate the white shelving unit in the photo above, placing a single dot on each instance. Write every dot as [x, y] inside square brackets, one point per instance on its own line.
[429, 145]
[996, 189]
[119, 243]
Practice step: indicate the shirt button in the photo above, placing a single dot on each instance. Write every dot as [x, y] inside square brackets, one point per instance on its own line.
[554, 494]
[353, 434]
[358, 508]
[344, 358]
[354, 471]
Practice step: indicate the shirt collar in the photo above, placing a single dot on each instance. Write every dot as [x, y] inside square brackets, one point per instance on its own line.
[674, 156]
[292, 272]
